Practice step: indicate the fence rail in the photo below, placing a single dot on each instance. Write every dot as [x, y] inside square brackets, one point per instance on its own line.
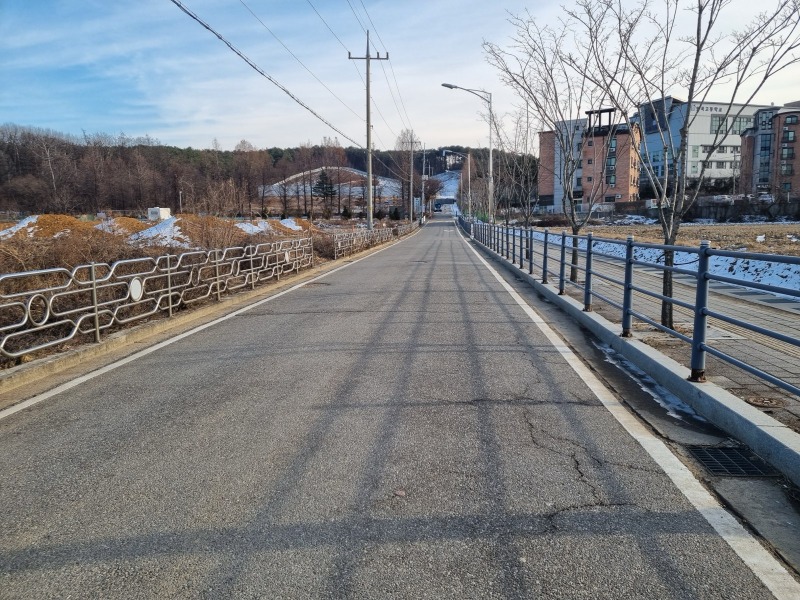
[576, 258]
[45, 308]
[350, 242]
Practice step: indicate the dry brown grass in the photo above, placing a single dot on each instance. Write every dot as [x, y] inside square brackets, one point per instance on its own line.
[777, 236]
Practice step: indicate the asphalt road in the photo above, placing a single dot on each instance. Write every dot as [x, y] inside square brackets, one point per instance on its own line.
[399, 428]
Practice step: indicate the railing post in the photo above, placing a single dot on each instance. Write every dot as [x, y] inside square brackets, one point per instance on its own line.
[627, 292]
[587, 284]
[521, 250]
[544, 254]
[508, 249]
[530, 251]
[169, 285]
[698, 365]
[96, 306]
[216, 275]
[252, 251]
[562, 272]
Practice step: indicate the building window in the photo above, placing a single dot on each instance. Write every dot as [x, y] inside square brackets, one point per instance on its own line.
[787, 152]
[612, 144]
[695, 168]
[578, 164]
[736, 149]
[589, 179]
[578, 182]
[589, 161]
[787, 170]
[609, 199]
[722, 149]
[786, 187]
[695, 151]
[718, 124]
[741, 123]
[590, 143]
[611, 179]
[791, 120]
[788, 136]
[708, 149]
[720, 164]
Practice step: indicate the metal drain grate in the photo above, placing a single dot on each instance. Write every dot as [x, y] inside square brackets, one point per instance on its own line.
[732, 462]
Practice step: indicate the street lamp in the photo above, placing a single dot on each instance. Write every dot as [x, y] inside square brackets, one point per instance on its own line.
[486, 97]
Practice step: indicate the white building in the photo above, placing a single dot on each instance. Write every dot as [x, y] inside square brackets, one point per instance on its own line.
[711, 121]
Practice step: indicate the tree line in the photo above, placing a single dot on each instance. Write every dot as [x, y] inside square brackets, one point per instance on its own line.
[44, 171]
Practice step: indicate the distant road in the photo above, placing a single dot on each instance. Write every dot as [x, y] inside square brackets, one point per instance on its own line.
[403, 427]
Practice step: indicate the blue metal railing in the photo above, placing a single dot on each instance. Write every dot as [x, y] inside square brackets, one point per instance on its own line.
[520, 244]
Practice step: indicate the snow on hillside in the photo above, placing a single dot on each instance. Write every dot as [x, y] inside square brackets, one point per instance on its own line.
[450, 181]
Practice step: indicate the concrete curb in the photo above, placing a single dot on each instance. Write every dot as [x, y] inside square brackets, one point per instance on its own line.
[771, 440]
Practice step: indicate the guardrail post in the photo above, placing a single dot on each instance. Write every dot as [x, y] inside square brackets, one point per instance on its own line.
[563, 267]
[521, 250]
[169, 286]
[530, 251]
[698, 365]
[544, 254]
[252, 251]
[508, 249]
[587, 285]
[216, 275]
[96, 306]
[627, 291]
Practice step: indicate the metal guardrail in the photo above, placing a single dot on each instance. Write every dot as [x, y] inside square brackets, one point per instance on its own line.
[350, 242]
[539, 248]
[45, 308]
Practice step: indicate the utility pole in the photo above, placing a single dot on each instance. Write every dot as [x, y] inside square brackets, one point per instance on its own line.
[411, 182]
[369, 58]
[424, 179]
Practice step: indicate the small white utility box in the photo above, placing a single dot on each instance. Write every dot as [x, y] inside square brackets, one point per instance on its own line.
[158, 214]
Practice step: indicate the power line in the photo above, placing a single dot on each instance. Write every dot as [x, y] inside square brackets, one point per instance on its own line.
[355, 66]
[391, 68]
[298, 60]
[261, 72]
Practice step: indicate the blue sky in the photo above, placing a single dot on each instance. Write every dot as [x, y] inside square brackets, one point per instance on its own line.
[146, 68]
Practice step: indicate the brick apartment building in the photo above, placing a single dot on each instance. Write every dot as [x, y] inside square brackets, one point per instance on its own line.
[607, 169]
[770, 155]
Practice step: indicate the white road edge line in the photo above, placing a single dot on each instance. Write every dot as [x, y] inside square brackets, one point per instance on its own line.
[771, 573]
[124, 361]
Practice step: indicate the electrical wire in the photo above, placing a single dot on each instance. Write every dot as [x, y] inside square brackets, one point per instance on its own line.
[374, 104]
[261, 72]
[300, 62]
[391, 68]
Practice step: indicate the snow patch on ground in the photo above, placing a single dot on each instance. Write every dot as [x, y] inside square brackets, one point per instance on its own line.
[166, 233]
[26, 223]
[291, 224]
[255, 228]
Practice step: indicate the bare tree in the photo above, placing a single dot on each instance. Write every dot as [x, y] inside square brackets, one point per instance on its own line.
[519, 166]
[636, 56]
[536, 67]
